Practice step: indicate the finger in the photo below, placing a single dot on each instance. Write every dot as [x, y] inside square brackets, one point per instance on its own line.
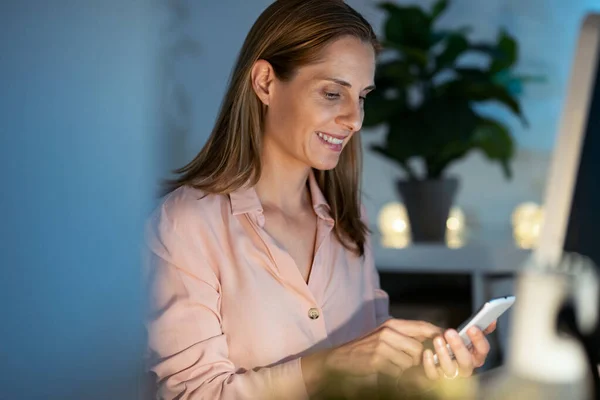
[388, 368]
[429, 367]
[462, 355]
[491, 328]
[415, 329]
[400, 359]
[481, 346]
[403, 344]
[445, 360]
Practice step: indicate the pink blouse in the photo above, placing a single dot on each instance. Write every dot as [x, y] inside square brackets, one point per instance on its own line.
[230, 313]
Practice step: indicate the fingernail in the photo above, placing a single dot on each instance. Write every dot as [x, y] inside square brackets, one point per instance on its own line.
[428, 354]
[439, 342]
[474, 330]
[452, 333]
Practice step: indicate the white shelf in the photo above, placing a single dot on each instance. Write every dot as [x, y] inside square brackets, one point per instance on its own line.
[483, 253]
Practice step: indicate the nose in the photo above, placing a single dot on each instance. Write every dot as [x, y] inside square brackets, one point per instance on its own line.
[351, 116]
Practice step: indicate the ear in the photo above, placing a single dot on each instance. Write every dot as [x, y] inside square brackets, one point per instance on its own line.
[263, 77]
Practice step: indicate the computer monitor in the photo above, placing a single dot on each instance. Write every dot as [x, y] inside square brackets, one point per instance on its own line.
[583, 223]
[572, 200]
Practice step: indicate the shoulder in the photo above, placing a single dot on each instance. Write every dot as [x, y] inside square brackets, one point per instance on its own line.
[186, 207]
[179, 236]
[184, 217]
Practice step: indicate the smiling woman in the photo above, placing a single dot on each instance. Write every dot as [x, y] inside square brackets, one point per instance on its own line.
[261, 277]
[272, 101]
[313, 116]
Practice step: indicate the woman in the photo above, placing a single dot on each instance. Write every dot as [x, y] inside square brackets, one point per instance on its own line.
[262, 275]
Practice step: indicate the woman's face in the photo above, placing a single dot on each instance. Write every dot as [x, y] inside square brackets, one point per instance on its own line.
[311, 118]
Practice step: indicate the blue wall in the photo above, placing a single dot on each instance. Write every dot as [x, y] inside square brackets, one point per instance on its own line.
[78, 102]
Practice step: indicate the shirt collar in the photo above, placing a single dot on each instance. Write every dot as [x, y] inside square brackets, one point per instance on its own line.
[245, 200]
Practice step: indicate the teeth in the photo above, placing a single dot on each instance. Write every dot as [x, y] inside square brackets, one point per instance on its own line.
[330, 139]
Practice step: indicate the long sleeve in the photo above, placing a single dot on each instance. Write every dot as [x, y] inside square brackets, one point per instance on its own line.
[188, 350]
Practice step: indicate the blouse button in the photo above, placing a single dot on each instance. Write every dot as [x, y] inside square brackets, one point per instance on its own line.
[313, 313]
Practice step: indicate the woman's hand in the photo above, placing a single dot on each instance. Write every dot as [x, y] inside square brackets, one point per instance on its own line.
[465, 360]
[389, 350]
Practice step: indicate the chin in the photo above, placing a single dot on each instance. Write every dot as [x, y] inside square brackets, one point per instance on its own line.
[325, 165]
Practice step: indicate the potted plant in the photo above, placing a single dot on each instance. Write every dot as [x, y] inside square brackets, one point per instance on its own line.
[428, 101]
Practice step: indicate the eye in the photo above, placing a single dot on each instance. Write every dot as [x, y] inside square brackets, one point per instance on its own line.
[332, 96]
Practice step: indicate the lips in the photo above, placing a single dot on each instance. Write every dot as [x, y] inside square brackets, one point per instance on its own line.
[334, 143]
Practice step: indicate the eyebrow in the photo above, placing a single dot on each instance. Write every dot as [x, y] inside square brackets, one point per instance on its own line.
[347, 84]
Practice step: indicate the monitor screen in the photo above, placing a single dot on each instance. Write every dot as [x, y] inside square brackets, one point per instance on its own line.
[583, 224]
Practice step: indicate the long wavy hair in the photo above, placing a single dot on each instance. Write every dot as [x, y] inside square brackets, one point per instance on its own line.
[289, 34]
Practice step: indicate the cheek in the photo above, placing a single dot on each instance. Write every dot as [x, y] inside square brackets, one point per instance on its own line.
[322, 115]
[281, 114]
[295, 119]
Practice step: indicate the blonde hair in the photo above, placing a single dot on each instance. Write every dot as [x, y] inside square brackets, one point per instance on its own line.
[288, 34]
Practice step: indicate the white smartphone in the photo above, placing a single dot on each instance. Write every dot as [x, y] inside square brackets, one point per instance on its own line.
[486, 314]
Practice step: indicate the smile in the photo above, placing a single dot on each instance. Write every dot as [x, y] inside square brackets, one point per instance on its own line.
[334, 144]
[330, 139]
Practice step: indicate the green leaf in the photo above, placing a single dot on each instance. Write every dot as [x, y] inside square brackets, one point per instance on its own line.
[438, 8]
[416, 56]
[439, 132]
[402, 163]
[405, 137]
[411, 55]
[389, 154]
[407, 26]
[380, 106]
[483, 91]
[492, 92]
[397, 72]
[448, 129]
[509, 50]
[455, 46]
[440, 35]
[379, 110]
[473, 74]
[490, 50]
[496, 142]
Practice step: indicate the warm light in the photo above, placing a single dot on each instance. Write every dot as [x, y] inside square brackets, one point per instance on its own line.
[454, 241]
[395, 240]
[393, 219]
[456, 220]
[399, 225]
[452, 224]
[394, 226]
[527, 211]
[527, 220]
[455, 232]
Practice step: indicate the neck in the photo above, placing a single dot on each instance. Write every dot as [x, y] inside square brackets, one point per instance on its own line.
[282, 184]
